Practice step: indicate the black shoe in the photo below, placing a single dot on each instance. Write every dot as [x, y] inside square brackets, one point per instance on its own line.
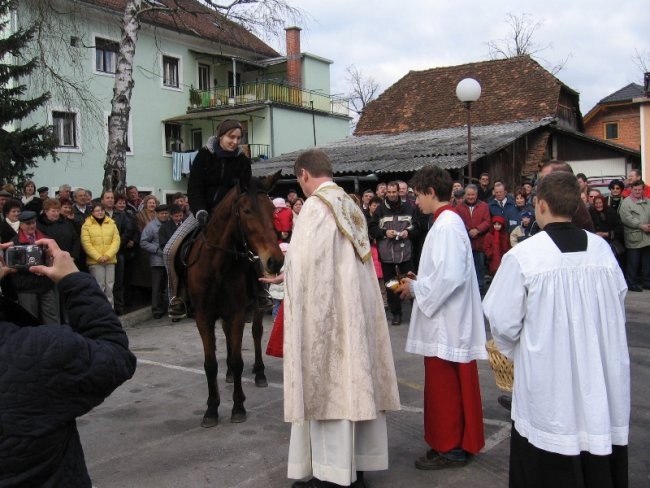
[312, 483]
[434, 461]
[505, 401]
[157, 315]
[397, 319]
[646, 287]
[634, 288]
[176, 309]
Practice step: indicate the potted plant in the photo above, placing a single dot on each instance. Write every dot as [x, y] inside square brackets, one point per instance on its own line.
[195, 97]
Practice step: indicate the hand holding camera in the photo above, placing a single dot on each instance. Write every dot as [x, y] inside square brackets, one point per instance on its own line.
[62, 263]
[22, 257]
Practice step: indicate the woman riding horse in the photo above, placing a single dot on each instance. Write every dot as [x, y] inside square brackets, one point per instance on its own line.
[217, 168]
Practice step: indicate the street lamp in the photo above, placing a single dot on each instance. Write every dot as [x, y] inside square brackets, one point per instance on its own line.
[468, 90]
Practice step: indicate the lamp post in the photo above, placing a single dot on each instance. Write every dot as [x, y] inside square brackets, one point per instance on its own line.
[468, 90]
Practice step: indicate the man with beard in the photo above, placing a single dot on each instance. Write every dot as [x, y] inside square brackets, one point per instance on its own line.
[394, 226]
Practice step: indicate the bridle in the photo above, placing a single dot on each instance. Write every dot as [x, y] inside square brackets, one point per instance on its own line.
[246, 253]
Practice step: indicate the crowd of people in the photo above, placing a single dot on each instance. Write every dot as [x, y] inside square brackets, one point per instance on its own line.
[447, 246]
[109, 237]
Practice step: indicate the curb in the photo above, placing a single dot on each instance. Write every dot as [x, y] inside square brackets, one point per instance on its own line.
[132, 319]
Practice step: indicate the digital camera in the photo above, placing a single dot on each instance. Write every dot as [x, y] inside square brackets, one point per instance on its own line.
[24, 257]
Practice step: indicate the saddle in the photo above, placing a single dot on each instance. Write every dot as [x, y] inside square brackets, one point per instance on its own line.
[181, 259]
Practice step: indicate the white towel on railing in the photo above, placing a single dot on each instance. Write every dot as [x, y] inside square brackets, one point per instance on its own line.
[181, 164]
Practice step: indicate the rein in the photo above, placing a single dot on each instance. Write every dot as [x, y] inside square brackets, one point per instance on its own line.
[246, 253]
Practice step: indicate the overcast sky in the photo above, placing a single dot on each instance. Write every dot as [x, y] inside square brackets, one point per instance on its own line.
[386, 39]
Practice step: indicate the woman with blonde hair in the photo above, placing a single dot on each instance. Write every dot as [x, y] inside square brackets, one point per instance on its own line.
[141, 272]
[100, 240]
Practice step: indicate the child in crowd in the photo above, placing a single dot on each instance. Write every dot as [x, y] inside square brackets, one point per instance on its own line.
[282, 219]
[522, 231]
[276, 284]
[496, 243]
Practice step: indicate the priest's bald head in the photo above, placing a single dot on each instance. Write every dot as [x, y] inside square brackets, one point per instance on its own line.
[312, 168]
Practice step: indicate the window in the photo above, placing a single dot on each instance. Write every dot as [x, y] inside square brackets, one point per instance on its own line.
[106, 55]
[204, 77]
[197, 139]
[611, 130]
[170, 71]
[65, 129]
[173, 140]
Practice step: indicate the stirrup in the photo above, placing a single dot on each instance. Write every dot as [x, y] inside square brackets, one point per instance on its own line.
[176, 308]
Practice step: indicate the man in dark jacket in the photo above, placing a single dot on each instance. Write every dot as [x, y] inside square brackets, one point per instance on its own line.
[394, 227]
[50, 375]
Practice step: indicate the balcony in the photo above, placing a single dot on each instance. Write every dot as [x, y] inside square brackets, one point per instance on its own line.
[252, 93]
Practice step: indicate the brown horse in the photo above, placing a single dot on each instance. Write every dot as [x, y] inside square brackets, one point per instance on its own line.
[239, 235]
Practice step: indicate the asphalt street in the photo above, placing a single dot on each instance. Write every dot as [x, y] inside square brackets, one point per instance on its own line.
[147, 434]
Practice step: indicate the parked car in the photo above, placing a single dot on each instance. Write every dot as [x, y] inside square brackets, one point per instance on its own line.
[602, 183]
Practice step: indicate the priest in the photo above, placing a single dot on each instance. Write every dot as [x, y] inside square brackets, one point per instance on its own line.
[339, 375]
[556, 308]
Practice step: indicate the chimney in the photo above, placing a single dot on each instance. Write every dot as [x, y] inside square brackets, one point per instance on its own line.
[294, 76]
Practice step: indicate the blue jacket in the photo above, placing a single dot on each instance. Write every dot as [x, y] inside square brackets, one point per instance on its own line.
[508, 211]
[49, 376]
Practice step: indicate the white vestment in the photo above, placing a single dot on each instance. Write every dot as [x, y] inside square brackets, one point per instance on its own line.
[447, 319]
[561, 318]
[338, 362]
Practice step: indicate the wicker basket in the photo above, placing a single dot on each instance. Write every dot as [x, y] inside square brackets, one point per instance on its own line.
[504, 371]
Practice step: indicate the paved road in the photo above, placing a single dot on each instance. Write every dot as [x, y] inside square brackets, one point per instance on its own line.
[147, 433]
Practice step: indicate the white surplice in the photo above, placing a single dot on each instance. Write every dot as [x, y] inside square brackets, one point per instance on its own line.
[447, 319]
[561, 318]
[339, 375]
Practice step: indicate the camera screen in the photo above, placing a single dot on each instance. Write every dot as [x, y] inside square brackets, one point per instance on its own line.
[19, 258]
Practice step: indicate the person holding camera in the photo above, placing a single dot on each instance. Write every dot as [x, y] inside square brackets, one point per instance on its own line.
[58, 374]
[36, 294]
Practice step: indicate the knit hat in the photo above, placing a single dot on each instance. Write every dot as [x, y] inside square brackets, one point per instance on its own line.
[526, 213]
[279, 202]
[284, 246]
[228, 125]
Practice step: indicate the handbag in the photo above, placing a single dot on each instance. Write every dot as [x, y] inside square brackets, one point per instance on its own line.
[276, 338]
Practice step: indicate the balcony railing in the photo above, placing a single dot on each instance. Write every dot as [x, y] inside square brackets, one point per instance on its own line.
[257, 151]
[223, 97]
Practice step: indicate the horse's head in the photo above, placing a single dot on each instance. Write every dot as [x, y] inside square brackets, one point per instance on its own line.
[255, 214]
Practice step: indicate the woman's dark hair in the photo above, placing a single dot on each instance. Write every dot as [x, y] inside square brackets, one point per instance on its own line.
[9, 204]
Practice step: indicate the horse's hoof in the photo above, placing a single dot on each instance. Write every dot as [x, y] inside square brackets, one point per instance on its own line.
[261, 382]
[238, 417]
[208, 422]
[229, 378]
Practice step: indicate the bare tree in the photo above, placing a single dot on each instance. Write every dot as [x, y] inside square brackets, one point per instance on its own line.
[265, 18]
[521, 41]
[363, 89]
[642, 60]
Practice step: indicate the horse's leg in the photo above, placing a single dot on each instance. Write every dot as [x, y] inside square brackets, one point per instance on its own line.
[234, 330]
[258, 367]
[229, 378]
[205, 325]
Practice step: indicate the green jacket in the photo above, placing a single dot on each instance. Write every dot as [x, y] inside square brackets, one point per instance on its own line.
[634, 214]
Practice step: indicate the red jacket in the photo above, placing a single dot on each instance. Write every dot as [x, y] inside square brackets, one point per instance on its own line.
[479, 219]
[283, 219]
[496, 244]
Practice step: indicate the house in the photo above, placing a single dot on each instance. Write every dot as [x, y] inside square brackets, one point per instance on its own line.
[616, 117]
[192, 70]
[524, 116]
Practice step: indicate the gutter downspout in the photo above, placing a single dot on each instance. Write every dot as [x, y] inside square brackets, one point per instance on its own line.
[272, 130]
